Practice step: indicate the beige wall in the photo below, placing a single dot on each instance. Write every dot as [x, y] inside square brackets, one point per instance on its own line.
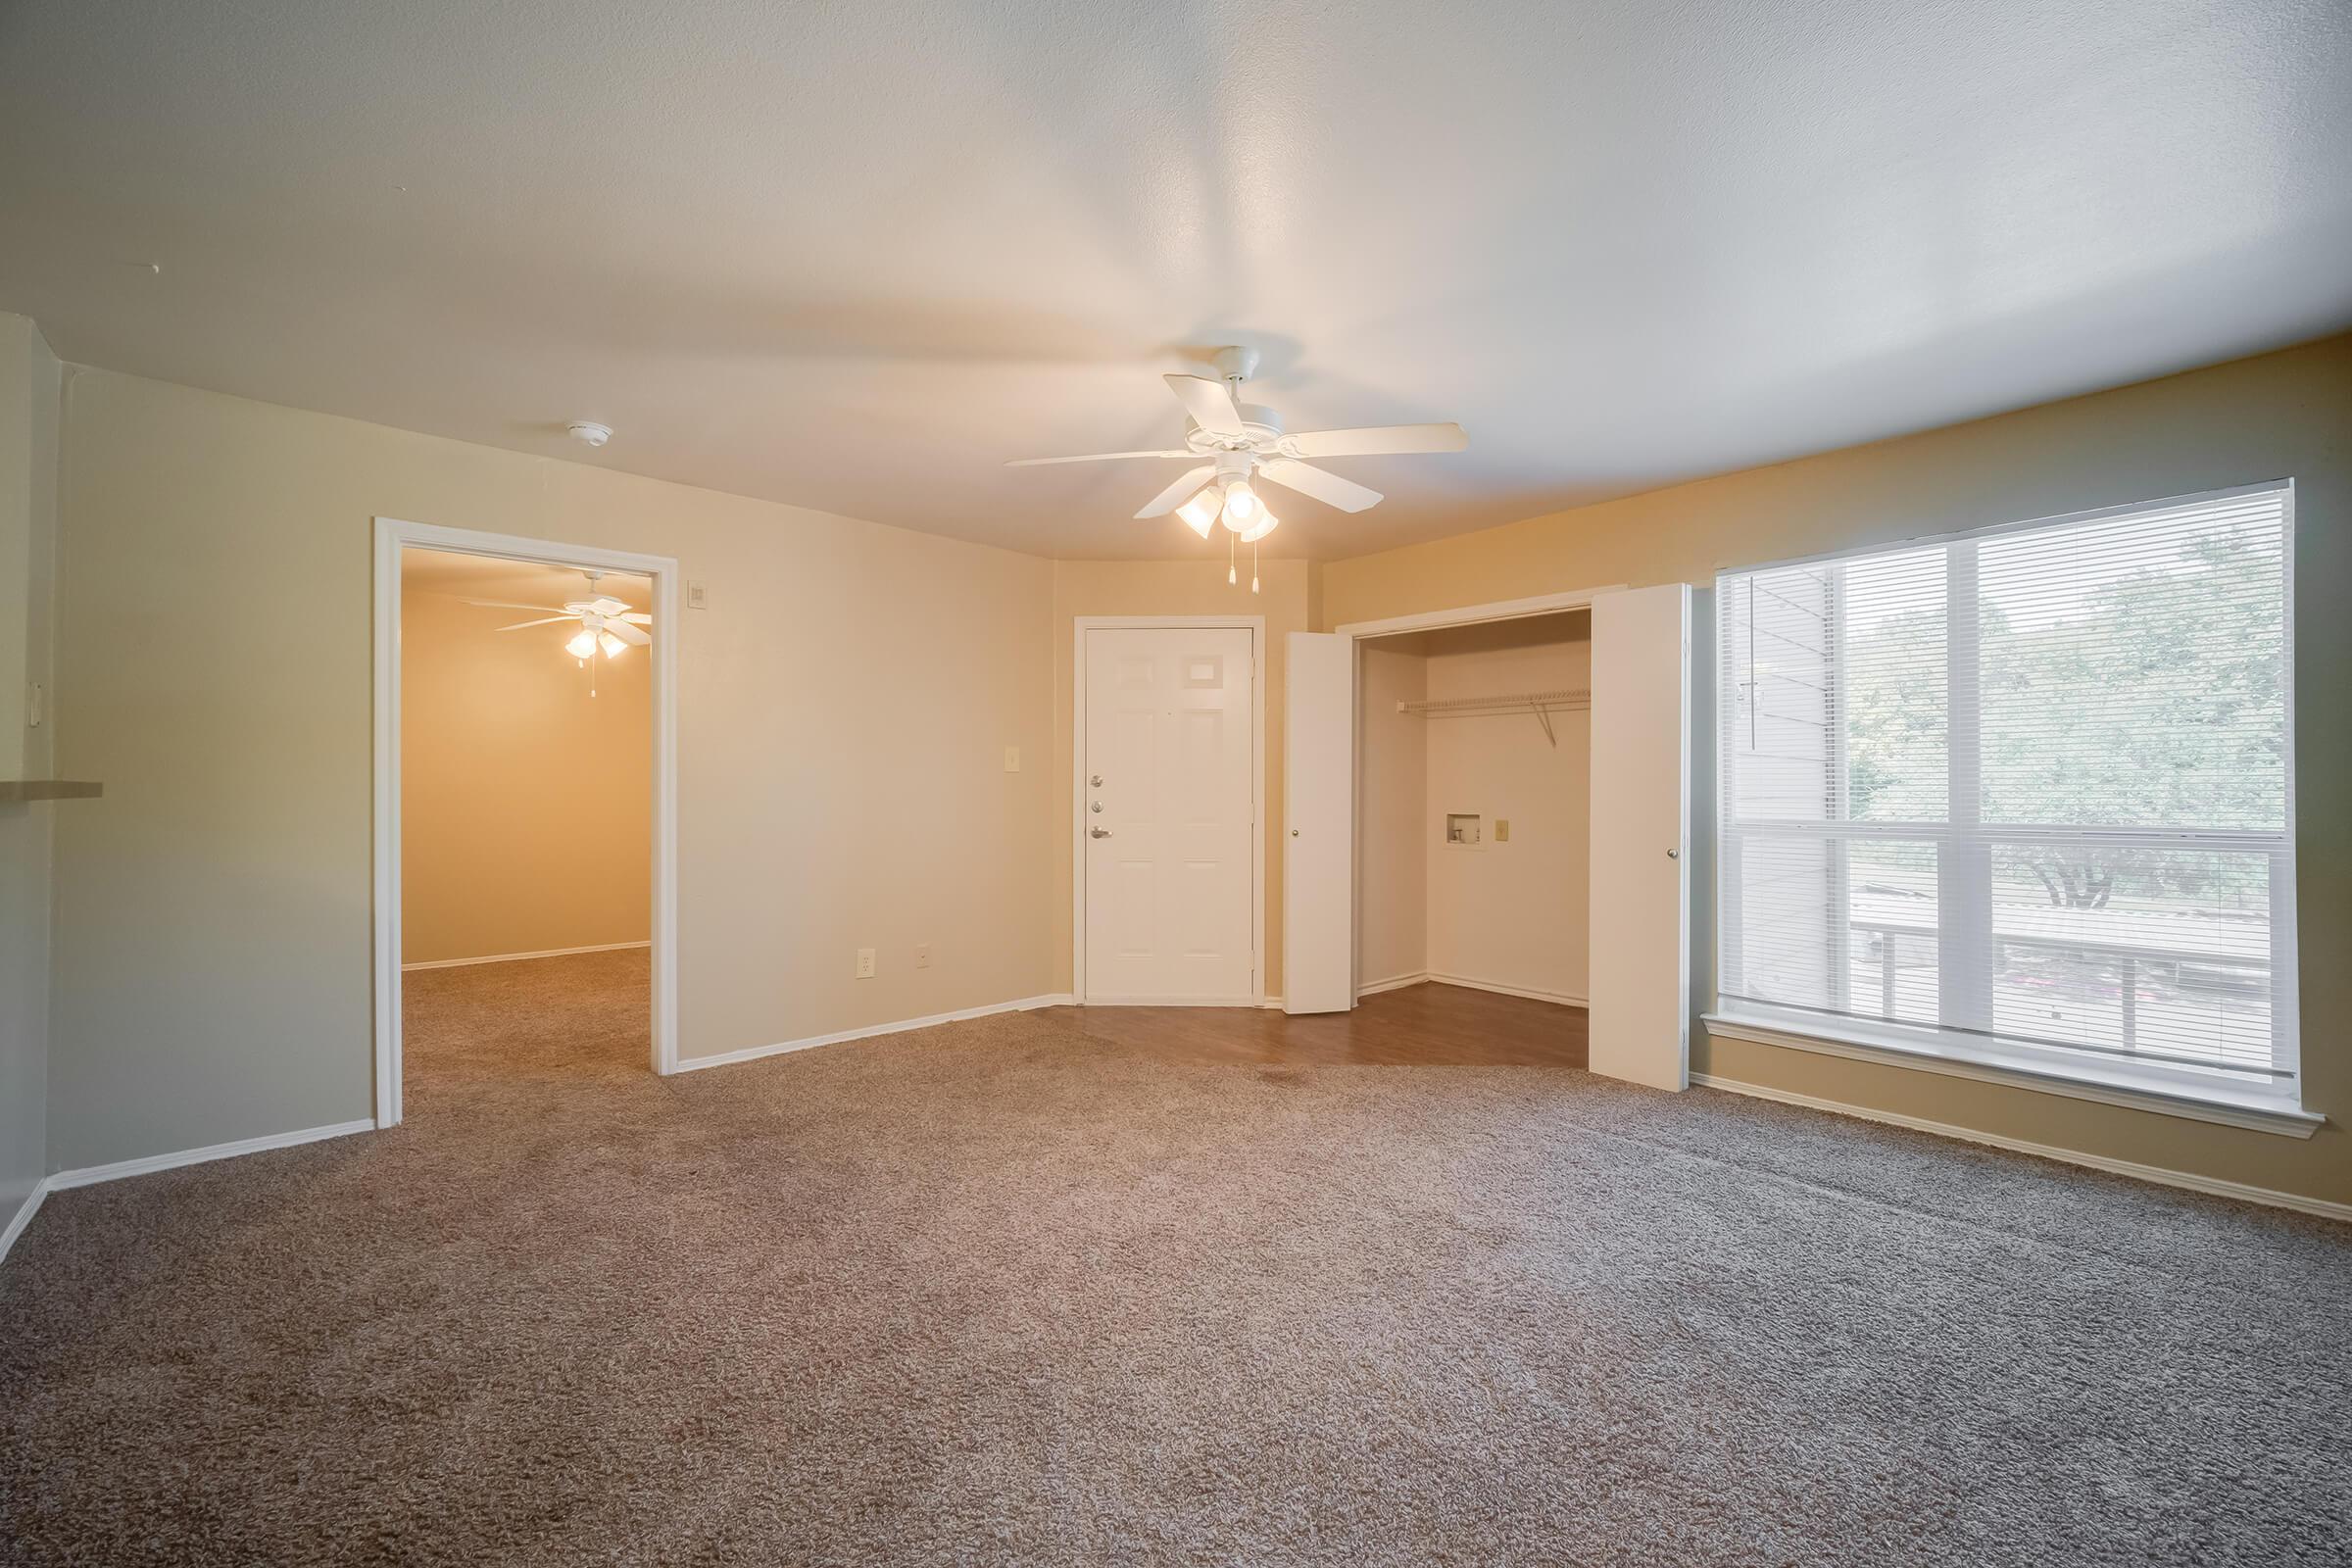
[1393, 820]
[845, 703]
[2288, 413]
[526, 788]
[1193, 587]
[28, 403]
[1510, 913]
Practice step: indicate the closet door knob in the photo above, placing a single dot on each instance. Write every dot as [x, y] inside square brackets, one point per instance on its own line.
[1674, 855]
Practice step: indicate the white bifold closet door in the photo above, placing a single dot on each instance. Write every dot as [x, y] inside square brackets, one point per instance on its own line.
[1640, 1017]
[1318, 825]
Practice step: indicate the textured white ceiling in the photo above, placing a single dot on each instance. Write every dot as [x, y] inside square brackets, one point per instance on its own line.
[855, 256]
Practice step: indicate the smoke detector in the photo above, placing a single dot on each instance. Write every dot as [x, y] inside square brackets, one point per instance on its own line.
[590, 432]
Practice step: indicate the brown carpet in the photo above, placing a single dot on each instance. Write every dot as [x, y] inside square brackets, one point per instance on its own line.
[1007, 1292]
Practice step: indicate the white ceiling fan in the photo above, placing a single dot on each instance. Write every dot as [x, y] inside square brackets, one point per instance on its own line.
[1241, 441]
[605, 622]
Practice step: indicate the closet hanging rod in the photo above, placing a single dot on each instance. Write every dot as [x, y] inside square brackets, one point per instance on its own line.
[1540, 704]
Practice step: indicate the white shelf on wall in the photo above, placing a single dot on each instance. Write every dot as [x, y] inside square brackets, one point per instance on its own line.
[1540, 704]
[18, 791]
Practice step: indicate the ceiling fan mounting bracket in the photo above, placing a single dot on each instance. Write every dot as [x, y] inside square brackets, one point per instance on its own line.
[1234, 363]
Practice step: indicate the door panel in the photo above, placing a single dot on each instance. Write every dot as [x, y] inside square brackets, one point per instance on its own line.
[1318, 838]
[1170, 732]
[1639, 921]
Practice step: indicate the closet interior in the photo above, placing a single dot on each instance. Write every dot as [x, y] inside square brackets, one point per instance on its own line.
[1473, 806]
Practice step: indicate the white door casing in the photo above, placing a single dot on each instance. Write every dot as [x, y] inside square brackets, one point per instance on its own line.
[1318, 842]
[1639, 1016]
[392, 536]
[1168, 814]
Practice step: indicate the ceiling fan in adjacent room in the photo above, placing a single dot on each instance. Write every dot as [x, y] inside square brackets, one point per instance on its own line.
[606, 622]
[1243, 441]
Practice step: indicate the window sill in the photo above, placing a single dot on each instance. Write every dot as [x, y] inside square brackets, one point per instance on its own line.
[2225, 1106]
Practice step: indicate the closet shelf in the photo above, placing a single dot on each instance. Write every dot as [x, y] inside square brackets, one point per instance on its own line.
[1507, 702]
[1540, 704]
[16, 791]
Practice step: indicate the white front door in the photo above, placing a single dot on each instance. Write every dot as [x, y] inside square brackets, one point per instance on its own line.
[1640, 920]
[1318, 825]
[1166, 814]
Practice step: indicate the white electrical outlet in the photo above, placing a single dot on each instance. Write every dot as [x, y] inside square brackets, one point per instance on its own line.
[1012, 759]
[922, 957]
[865, 963]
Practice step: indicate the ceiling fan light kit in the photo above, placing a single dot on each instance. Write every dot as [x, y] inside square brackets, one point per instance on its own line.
[1240, 440]
[1200, 513]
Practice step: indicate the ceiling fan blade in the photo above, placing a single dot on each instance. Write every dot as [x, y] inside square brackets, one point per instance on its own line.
[627, 633]
[508, 604]
[1092, 456]
[544, 621]
[1380, 441]
[637, 615]
[1168, 500]
[1320, 483]
[1209, 403]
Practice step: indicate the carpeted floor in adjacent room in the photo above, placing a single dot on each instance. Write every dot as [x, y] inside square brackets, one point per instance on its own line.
[1010, 1291]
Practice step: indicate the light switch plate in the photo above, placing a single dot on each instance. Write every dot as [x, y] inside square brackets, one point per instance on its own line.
[698, 596]
[1012, 759]
[922, 957]
[1502, 830]
[865, 963]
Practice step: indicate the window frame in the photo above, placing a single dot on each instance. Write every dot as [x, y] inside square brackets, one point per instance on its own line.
[1964, 843]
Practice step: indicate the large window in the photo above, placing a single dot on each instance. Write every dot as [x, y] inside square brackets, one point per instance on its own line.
[2022, 795]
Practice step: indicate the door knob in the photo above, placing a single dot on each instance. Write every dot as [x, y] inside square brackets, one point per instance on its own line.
[1294, 832]
[1674, 855]
[1097, 807]
[1097, 781]
[1098, 832]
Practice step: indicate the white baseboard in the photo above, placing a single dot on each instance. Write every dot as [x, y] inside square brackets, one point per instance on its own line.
[150, 1163]
[1181, 1001]
[517, 957]
[1395, 982]
[754, 1053]
[1398, 982]
[22, 1218]
[2244, 1192]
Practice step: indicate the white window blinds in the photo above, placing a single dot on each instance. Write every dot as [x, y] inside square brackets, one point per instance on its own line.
[2023, 791]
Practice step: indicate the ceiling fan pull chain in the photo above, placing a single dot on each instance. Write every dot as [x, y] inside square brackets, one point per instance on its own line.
[1232, 556]
[1253, 566]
